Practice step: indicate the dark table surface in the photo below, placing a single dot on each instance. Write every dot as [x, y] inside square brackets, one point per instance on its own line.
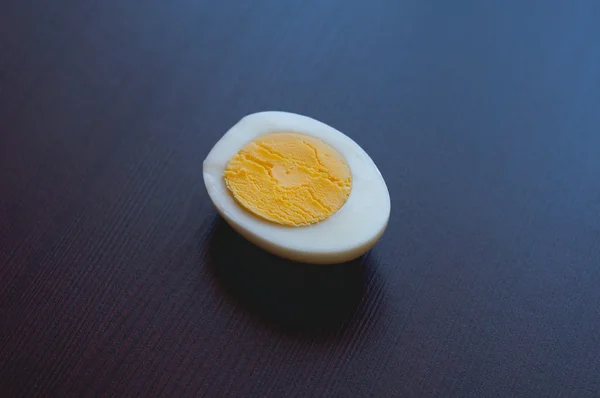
[118, 278]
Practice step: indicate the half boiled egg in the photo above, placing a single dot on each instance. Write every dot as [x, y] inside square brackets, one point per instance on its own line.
[297, 188]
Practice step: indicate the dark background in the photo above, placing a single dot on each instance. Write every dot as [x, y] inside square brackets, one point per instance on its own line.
[117, 277]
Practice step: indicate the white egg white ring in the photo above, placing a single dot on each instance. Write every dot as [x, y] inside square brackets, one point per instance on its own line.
[345, 235]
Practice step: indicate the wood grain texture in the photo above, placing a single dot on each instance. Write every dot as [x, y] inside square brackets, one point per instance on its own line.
[117, 278]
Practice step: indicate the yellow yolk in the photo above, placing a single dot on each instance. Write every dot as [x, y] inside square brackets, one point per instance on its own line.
[288, 178]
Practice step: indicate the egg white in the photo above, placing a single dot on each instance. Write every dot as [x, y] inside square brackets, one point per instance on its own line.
[344, 236]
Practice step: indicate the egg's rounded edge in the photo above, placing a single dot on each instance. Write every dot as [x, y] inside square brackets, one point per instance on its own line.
[317, 258]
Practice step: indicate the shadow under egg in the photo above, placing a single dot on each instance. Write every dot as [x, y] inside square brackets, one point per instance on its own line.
[317, 300]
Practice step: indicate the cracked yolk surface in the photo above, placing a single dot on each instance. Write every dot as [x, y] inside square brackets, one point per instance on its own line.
[289, 178]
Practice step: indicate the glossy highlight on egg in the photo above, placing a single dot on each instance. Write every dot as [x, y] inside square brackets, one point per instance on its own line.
[297, 188]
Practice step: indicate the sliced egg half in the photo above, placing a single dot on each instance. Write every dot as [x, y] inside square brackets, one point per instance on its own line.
[297, 188]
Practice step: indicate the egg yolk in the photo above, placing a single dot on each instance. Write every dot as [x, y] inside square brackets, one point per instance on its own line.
[289, 178]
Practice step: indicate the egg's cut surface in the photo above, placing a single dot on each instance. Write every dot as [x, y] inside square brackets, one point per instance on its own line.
[297, 188]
